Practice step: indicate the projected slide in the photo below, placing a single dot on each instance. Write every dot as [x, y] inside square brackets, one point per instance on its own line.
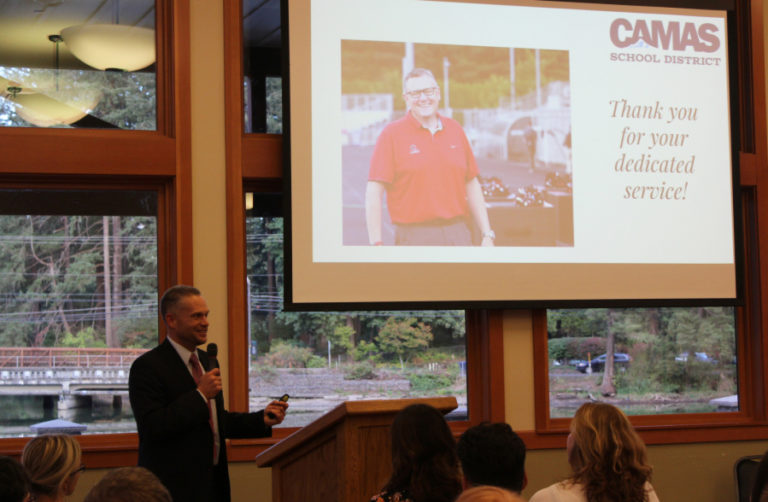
[559, 151]
[521, 154]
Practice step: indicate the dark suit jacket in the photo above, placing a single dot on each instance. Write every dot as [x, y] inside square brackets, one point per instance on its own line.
[175, 438]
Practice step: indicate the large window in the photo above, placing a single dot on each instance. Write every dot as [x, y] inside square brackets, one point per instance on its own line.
[665, 360]
[78, 282]
[79, 193]
[324, 358]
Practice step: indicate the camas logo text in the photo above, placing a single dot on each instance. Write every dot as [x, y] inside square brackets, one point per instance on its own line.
[671, 35]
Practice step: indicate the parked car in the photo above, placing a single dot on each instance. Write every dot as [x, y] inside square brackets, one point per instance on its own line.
[700, 356]
[598, 363]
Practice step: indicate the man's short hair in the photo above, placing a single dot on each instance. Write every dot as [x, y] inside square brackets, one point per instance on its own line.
[493, 454]
[14, 483]
[418, 72]
[129, 484]
[173, 295]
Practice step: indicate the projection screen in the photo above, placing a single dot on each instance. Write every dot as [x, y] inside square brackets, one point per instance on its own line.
[598, 137]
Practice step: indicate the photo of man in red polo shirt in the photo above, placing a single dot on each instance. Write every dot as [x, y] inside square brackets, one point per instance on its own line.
[432, 159]
[424, 165]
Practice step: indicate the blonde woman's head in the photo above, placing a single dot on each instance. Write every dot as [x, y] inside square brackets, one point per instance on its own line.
[488, 493]
[53, 463]
[606, 455]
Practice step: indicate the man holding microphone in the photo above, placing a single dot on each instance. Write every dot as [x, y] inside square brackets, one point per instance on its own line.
[175, 393]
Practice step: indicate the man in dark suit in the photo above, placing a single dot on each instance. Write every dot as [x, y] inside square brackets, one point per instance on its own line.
[175, 393]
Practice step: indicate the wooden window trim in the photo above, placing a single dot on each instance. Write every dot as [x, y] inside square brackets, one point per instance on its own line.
[109, 450]
[93, 158]
[162, 154]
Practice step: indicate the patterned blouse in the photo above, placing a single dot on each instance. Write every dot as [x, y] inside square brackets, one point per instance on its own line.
[385, 496]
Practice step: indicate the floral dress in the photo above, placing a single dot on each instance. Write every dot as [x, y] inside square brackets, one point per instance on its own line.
[398, 496]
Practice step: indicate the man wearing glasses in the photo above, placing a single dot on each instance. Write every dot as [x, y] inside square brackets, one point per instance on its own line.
[425, 166]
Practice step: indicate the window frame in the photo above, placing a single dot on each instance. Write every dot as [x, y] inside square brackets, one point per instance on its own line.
[157, 160]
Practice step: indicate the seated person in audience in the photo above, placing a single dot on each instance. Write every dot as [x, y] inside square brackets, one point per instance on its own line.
[129, 484]
[488, 493]
[608, 460]
[53, 464]
[760, 488]
[14, 484]
[492, 454]
[425, 467]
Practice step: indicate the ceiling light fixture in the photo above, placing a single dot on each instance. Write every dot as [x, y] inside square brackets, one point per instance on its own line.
[54, 106]
[112, 47]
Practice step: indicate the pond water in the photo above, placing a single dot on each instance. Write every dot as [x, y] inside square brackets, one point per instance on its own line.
[18, 413]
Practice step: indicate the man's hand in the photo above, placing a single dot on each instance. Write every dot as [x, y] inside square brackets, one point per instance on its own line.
[210, 383]
[274, 409]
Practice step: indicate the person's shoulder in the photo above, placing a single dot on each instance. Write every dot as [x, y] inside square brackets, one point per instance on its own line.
[652, 497]
[558, 492]
[402, 123]
[451, 124]
[154, 354]
[448, 121]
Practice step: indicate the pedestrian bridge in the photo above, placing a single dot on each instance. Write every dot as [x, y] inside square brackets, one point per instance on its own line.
[74, 375]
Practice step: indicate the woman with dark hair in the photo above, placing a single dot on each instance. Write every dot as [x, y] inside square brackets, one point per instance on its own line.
[14, 482]
[425, 467]
[608, 460]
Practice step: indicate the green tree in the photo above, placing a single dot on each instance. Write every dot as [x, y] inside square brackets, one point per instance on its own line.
[403, 339]
[575, 322]
[52, 276]
[352, 333]
[341, 339]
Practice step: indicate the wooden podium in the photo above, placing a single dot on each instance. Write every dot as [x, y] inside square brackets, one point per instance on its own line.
[343, 456]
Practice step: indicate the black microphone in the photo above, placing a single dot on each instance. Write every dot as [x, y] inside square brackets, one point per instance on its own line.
[213, 351]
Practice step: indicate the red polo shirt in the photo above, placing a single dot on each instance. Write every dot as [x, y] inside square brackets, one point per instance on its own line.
[425, 174]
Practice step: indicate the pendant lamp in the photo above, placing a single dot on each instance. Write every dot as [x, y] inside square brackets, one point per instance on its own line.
[45, 99]
[45, 111]
[114, 47]
[111, 46]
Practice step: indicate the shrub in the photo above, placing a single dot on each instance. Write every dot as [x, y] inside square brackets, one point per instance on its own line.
[365, 351]
[429, 382]
[361, 371]
[559, 349]
[564, 349]
[284, 354]
[87, 337]
[579, 347]
[441, 355]
[317, 362]
[266, 373]
[657, 371]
